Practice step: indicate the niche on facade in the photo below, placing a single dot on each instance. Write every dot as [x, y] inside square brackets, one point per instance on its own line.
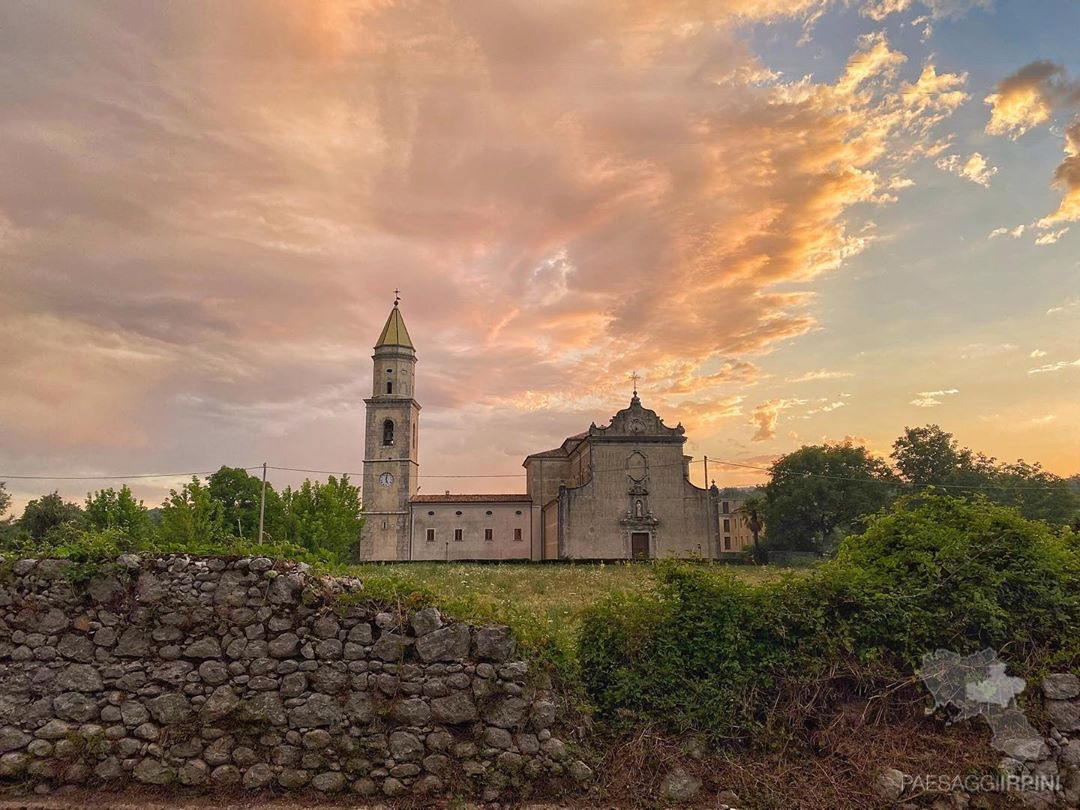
[637, 467]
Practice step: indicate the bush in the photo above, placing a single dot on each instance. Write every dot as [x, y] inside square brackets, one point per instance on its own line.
[708, 652]
[939, 571]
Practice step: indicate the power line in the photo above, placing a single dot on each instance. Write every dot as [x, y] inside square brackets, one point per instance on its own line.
[143, 476]
[111, 477]
[426, 475]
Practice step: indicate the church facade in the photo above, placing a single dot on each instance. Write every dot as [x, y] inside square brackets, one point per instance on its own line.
[617, 491]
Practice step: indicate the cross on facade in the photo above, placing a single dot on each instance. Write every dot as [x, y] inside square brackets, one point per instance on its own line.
[634, 378]
[397, 297]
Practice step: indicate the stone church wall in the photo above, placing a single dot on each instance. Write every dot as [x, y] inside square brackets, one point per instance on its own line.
[249, 675]
[594, 513]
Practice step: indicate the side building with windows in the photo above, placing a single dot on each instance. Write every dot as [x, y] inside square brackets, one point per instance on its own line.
[735, 534]
[471, 527]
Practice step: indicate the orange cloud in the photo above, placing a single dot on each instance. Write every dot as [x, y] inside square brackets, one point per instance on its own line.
[1029, 98]
[562, 193]
[1024, 100]
[766, 415]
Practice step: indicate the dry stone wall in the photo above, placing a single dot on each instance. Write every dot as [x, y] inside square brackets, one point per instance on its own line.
[246, 674]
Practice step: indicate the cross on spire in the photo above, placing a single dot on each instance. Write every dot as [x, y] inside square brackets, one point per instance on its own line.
[633, 376]
[397, 297]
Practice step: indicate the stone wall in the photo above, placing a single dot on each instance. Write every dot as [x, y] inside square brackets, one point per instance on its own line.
[247, 674]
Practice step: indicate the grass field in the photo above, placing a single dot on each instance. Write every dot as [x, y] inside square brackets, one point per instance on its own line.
[543, 603]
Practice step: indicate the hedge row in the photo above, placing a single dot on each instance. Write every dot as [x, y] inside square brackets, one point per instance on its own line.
[707, 651]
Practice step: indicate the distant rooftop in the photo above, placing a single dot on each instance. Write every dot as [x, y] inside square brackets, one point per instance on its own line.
[450, 498]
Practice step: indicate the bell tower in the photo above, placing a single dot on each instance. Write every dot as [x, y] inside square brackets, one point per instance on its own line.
[390, 444]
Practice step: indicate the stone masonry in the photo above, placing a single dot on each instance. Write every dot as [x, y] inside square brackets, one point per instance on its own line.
[250, 675]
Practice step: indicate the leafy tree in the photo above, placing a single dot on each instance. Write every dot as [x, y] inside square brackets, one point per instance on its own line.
[753, 509]
[930, 457]
[325, 517]
[239, 494]
[191, 518]
[112, 509]
[5, 500]
[819, 493]
[47, 514]
[1036, 493]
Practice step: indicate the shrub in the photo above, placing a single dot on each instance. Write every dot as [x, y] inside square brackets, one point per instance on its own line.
[939, 571]
[709, 652]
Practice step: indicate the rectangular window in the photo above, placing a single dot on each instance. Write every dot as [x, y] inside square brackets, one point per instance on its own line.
[726, 507]
[517, 534]
[457, 535]
[489, 534]
[727, 544]
[727, 524]
[431, 535]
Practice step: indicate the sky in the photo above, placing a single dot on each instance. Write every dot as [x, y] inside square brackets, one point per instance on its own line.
[797, 220]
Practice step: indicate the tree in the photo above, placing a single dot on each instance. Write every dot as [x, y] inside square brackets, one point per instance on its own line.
[239, 494]
[326, 517]
[190, 518]
[112, 509]
[5, 500]
[1038, 494]
[752, 509]
[819, 493]
[930, 457]
[47, 514]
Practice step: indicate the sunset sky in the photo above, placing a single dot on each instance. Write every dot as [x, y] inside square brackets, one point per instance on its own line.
[797, 220]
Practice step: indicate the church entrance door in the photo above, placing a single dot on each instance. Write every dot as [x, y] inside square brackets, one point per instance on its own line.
[639, 545]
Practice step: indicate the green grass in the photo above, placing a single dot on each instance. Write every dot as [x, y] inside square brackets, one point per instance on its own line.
[544, 604]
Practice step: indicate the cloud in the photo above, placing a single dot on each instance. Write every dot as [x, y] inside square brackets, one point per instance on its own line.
[827, 407]
[820, 374]
[1015, 233]
[1050, 237]
[1036, 354]
[931, 399]
[562, 192]
[1068, 303]
[880, 9]
[767, 414]
[974, 168]
[1025, 99]
[1058, 366]
[975, 350]
[1067, 178]
[1029, 98]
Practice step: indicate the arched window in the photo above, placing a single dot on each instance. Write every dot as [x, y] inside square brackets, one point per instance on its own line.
[388, 433]
[389, 387]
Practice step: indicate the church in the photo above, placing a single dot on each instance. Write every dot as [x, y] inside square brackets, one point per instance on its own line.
[613, 492]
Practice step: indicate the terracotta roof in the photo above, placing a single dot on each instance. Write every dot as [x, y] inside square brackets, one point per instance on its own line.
[394, 333]
[558, 452]
[471, 499]
[563, 450]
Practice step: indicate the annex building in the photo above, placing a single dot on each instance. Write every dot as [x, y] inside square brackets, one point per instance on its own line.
[617, 491]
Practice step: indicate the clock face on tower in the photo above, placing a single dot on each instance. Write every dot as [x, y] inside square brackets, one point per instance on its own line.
[386, 479]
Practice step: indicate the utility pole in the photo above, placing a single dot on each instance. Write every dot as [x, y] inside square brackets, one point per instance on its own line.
[262, 503]
[706, 472]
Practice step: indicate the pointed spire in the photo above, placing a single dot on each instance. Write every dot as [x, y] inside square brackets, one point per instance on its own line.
[395, 333]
